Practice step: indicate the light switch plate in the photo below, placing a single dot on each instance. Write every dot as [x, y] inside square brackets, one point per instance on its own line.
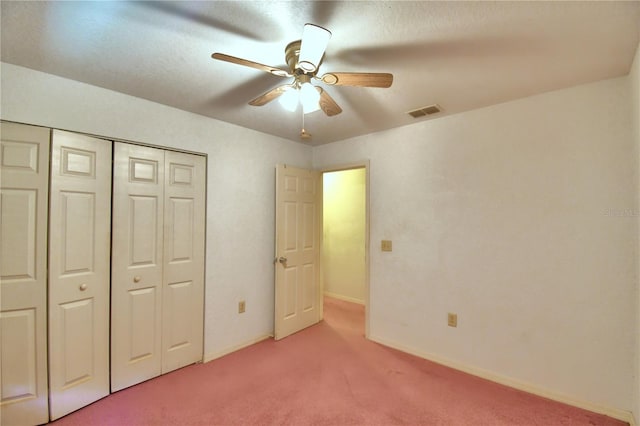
[386, 245]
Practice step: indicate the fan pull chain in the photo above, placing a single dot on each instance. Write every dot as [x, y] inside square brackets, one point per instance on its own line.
[303, 133]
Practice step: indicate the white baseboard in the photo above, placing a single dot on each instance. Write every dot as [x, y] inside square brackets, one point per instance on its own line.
[345, 298]
[227, 351]
[625, 416]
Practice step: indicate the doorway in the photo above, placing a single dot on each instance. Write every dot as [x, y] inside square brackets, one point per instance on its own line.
[344, 253]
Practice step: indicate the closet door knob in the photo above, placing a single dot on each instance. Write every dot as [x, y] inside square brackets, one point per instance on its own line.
[136, 279]
[83, 287]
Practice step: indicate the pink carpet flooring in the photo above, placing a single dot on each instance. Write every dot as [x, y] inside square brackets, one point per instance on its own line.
[327, 374]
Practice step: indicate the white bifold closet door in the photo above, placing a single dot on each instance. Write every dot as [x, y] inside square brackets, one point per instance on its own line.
[157, 289]
[24, 177]
[136, 282]
[79, 271]
[183, 277]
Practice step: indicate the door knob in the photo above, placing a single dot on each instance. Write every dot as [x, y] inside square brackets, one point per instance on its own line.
[282, 260]
[136, 279]
[83, 287]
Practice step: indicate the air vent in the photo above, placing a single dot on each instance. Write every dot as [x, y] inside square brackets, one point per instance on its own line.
[424, 111]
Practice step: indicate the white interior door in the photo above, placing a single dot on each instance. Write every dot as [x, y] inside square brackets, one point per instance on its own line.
[297, 293]
[79, 271]
[183, 280]
[24, 177]
[136, 286]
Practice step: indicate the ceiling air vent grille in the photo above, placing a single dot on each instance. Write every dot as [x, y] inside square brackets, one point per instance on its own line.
[424, 111]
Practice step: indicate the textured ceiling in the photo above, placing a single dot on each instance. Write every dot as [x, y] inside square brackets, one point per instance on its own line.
[460, 55]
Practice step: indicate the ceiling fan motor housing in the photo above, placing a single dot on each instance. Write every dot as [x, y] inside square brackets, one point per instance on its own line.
[292, 53]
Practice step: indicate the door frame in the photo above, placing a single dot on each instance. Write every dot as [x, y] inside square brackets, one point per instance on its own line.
[367, 295]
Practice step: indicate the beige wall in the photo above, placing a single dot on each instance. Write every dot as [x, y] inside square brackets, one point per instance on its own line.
[343, 243]
[634, 77]
[515, 217]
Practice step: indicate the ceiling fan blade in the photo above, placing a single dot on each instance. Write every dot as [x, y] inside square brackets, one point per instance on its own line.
[270, 95]
[228, 58]
[362, 79]
[313, 44]
[328, 105]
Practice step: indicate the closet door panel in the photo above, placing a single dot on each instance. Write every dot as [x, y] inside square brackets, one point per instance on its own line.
[24, 177]
[137, 265]
[79, 271]
[183, 289]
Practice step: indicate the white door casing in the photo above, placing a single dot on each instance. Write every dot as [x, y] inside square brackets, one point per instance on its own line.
[183, 275]
[298, 301]
[24, 177]
[137, 263]
[79, 271]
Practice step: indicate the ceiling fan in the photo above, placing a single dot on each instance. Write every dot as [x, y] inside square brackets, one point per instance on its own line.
[304, 58]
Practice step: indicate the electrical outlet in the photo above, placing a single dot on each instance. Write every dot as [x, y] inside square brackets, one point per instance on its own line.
[386, 245]
[452, 319]
[241, 306]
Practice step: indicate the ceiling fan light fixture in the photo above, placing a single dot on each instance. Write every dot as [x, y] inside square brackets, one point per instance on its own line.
[289, 99]
[303, 59]
[309, 98]
[314, 43]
